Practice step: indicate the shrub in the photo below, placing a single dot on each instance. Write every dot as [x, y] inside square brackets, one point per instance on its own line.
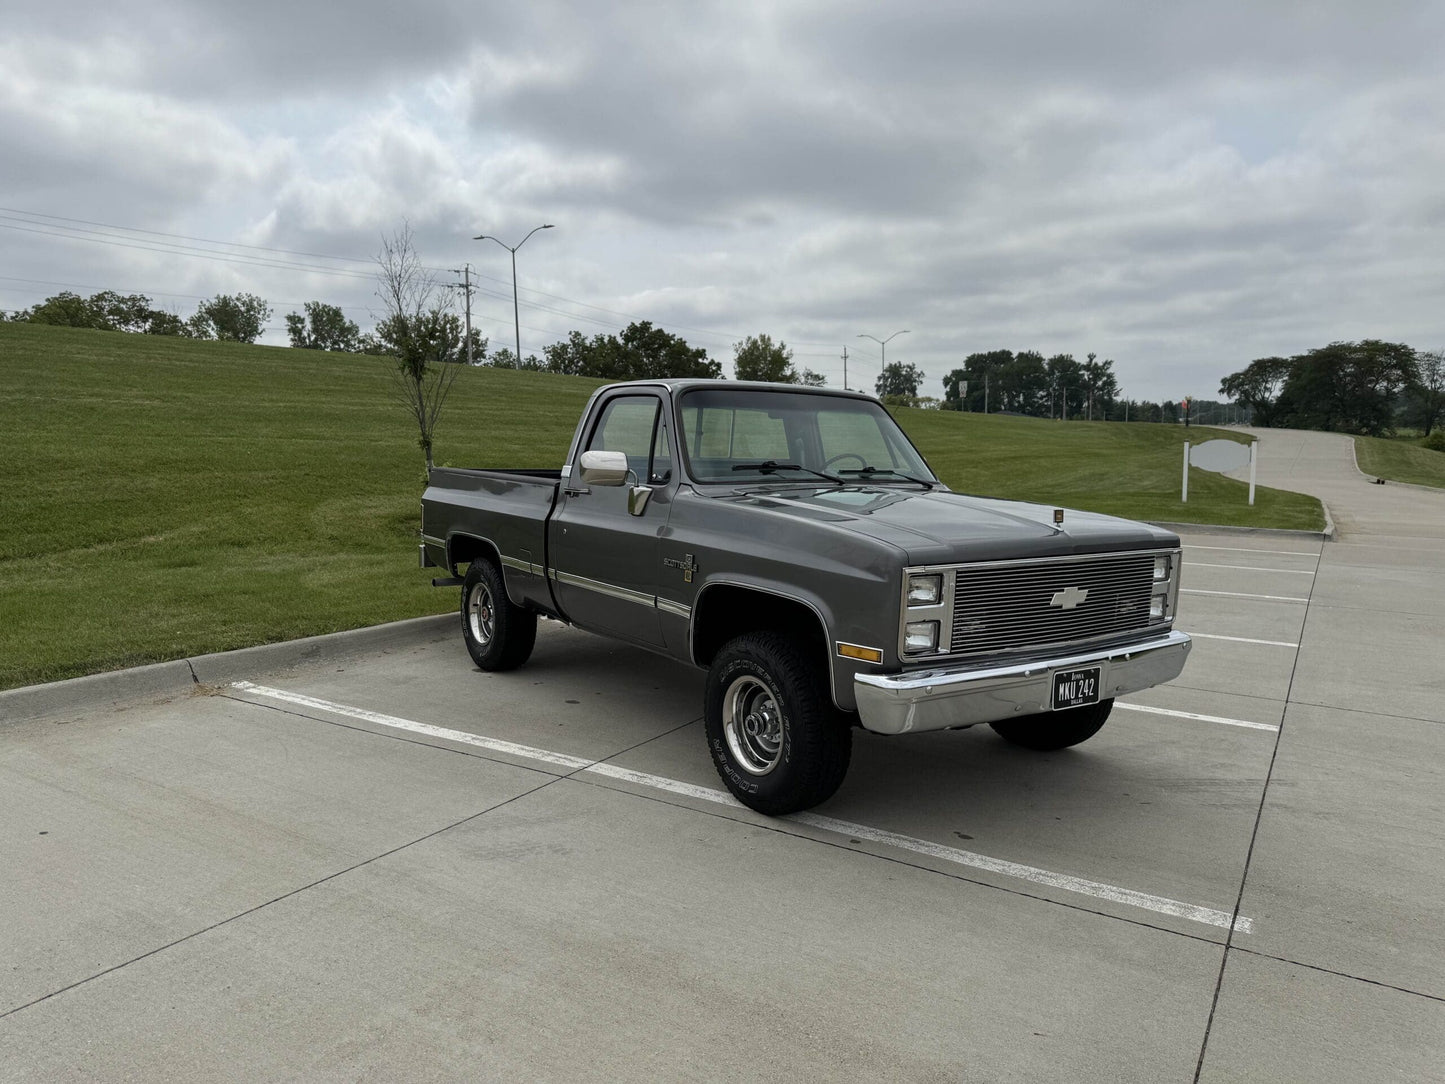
[1435, 441]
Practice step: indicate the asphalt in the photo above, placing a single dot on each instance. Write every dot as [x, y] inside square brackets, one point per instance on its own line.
[364, 859]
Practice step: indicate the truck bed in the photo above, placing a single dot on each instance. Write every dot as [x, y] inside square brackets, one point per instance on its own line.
[502, 508]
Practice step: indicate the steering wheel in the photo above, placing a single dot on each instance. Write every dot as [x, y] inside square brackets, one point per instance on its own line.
[862, 463]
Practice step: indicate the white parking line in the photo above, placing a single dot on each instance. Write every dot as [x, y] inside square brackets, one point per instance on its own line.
[1241, 639]
[496, 745]
[1198, 718]
[1241, 594]
[1246, 549]
[1209, 916]
[1250, 568]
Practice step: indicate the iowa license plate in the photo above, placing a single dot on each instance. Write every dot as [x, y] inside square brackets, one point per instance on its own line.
[1075, 688]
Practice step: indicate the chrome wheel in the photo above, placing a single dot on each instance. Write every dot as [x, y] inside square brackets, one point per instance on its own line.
[481, 616]
[753, 725]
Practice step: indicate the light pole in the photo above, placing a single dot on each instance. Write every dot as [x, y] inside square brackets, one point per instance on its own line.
[883, 346]
[516, 316]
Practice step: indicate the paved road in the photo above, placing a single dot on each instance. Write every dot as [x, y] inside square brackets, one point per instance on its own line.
[400, 868]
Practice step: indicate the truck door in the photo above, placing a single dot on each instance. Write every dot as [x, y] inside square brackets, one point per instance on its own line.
[604, 560]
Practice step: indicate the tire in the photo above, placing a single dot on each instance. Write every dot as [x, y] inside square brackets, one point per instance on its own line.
[1054, 729]
[776, 740]
[498, 633]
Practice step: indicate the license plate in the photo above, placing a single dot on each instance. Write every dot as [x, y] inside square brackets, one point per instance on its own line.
[1074, 688]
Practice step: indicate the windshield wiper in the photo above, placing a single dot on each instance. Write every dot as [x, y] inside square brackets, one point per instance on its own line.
[869, 472]
[770, 466]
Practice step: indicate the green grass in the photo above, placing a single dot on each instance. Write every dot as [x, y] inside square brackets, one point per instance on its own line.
[162, 498]
[1400, 461]
[1131, 470]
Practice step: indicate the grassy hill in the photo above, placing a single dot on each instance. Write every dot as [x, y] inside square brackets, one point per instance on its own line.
[164, 497]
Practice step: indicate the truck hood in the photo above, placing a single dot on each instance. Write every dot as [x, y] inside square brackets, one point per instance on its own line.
[940, 527]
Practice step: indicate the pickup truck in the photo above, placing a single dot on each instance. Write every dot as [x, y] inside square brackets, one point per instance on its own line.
[792, 542]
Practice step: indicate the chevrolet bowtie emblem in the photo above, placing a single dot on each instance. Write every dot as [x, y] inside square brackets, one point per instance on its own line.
[1069, 599]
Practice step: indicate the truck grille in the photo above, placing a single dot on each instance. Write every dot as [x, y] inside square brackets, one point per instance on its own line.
[1000, 608]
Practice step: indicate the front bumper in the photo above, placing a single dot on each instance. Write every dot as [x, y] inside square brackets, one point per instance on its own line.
[937, 699]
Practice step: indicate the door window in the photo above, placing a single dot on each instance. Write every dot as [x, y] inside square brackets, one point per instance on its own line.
[629, 424]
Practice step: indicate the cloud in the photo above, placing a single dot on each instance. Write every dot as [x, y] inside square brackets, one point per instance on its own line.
[1179, 187]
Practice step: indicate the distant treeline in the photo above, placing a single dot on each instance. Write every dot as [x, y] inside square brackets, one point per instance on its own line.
[996, 381]
[1370, 387]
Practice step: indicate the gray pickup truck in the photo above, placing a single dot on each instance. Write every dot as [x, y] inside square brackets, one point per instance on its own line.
[792, 542]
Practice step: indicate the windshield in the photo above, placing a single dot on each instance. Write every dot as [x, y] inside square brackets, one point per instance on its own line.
[742, 435]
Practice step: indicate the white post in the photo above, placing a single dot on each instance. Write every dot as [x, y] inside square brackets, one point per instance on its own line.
[1253, 456]
[1184, 494]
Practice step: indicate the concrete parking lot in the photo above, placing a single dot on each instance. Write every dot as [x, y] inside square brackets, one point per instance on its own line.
[393, 866]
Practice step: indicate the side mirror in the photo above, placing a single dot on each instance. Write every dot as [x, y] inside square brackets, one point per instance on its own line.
[604, 468]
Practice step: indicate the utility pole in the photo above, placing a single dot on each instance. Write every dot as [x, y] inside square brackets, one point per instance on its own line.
[985, 393]
[845, 368]
[466, 288]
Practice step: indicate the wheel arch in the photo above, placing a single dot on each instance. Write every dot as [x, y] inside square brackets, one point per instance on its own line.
[725, 609]
[463, 549]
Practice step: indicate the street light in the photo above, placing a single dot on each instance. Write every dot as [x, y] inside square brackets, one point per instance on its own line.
[883, 346]
[516, 316]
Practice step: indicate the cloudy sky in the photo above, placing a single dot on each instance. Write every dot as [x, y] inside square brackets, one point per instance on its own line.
[1179, 187]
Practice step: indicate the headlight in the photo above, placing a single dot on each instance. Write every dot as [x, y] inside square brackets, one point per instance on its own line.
[925, 590]
[1161, 568]
[919, 636]
[1156, 606]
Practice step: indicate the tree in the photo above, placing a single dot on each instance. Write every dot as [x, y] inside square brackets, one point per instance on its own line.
[1427, 391]
[641, 352]
[1257, 386]
[503, 358]
[323, 327]
[1023, 384]
[1066, 385]
[65, 309]
[983, 373]
[1099, 386]
[165, 323]
[899, 379]
[104, 311]
[758, 358]
[411, 332]
[236, 318]
[810, 379]
[1348, 387]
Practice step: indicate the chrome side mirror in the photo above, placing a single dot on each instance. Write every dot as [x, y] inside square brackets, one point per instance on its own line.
[603, 468]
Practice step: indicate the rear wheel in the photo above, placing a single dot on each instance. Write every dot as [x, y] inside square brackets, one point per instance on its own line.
[776, 739]
[1054, 729]
[498, 633]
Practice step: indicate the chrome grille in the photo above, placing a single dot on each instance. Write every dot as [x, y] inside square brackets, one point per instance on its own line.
[1001, 608]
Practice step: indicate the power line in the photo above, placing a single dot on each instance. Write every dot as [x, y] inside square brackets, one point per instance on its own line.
[180, 236]
[53, 227]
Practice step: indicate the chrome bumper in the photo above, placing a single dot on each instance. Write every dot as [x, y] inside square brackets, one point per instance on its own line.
[920, 700]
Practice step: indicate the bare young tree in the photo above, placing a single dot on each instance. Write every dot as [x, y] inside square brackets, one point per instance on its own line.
[410, 333]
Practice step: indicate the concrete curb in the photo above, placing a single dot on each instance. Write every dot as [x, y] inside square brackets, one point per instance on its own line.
[181, 677]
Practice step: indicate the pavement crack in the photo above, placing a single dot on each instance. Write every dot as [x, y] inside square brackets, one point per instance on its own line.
[1340, 974]
[278, 899]
[1254, 833]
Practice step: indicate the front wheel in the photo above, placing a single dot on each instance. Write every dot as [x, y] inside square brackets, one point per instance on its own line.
[776, 739]
[1054, 729]
[498, 633]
